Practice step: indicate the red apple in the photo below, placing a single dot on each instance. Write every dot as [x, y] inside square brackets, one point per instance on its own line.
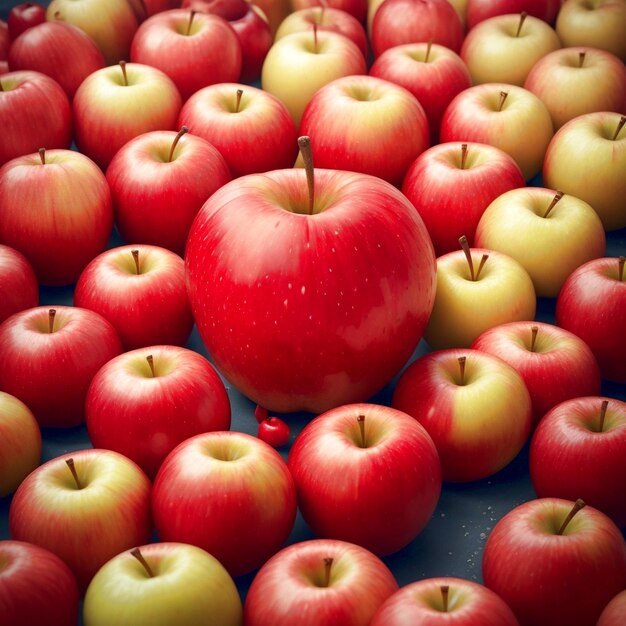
[613, 613]
[356, 8]
[140, 290]
[274, 432]
[5, 40]
[228, 493]
[50, 357]
[18, 283]
[24, 16]
[479, 10]
[146, 8]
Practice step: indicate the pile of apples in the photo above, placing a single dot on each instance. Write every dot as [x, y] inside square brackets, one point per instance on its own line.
[342, 197]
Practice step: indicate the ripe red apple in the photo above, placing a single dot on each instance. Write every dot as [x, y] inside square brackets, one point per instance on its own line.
[613, 613]
[140, 290]
[322, 582]
[18, 283]
[228, 493]
[50, 357]
[24, 16]
[274, 432]
[159, 181]
[555, 562]
[579, 447]
[55, 208]
[36, 587]
[381, 454]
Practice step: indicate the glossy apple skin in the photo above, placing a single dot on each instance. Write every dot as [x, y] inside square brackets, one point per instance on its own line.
[568, 455]
[274, 432]
[259, 137]
[480, 10]
[59, 50]
[451, 199]
[121, 593]
[50, 372]
[58, 214]
[210, 54]
[434, 79]
[479, 426]
[406, 21]
[18, 283]
[355, 8]
[558, 356]
[5, 40]
[146, 309]
[24, 16]
[20, 444]
[398, 469]
[35, 113]
[287, 589]
[85, 527]
[141, 416]
[550, 579]
[228, 493]
[613, 614]
[325, 324]
[591, 305]
[156, 200]
[420, 604]
[36, 587]
[343, 120]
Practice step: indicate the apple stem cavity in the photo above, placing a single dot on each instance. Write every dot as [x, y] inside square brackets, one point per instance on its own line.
[522, 18]
[463, 155]
[57, 15]
[180, 133]
[462, 360]
[503, 96]
[42, 155]
[150, 360]
[135, 254]
[136, 552]
[603, 408]
[445, 589]
[361, 421]
[123, 66]
[70, 464]
[581, 58]
[620, 125]
[304, 143]
[191, 16]
[328, 563]
[468, 254]
[557, 197]
[238, 100]
[51, 315]
[620, 268]
[534, 330]
[579, 504]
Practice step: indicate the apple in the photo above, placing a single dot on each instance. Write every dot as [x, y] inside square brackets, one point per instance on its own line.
[479, 10]
[366, 124]
[506, 116]
[34, 112]
[36, 587]
[452, 184]
[18, 283]
[586, 158]
[432, 73]
[145, 8]
[252, 129]
[20, 445]
[297, 65]
[324, 18]
[355, 8]
[5, 40]
[24, 16]
[412, 21]
[555, 562]
[274, 432]
[575, 81]
[591, 305]
[504, 48]
[549, 233]
[542, 352]
[55, 208]
[110, 24]
[320, 582]
[115, 104]
[614, 611]
[228, 493]
[50, 357]
[161, 584]
[476, 290]
[59, 50]
[143, 403]
[159, 181]
[194, 49]
[319, 283]
[379, 453]
[580, 447]
[444, 601]
[140, 290]
[475, 407]
[596, 23]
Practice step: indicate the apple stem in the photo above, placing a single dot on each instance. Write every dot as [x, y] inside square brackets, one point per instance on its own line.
[603, 408]
[620, 125]
[238, 100]
[304, 143]
[361, 421]
[462, 360]
[135, 254]
[468, 254]
[328, 563]
[137, 554]
[70, 464]
[444, 597]
[150, 360]
[315, 38]
[620, 268]
[557, 197]
[534, 330]
[191, 16]
[483, 260]
[522, 18]
[51, 315]
[579, 504]
[123, 66]
[42, 155]
[181, 132]
[463, 155]
[503, 97]
[429, 45]
[581, 58]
